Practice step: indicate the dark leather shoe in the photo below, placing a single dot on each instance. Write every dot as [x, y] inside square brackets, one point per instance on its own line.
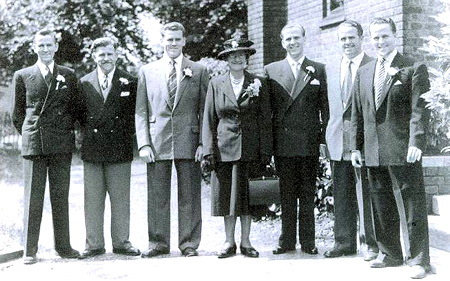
[190, 252]
[69, 254]
[91, 253]
[249, 252]
[227, 252]
[335, 253]
[310, 251]
[282, 250]
[150, 253]
[387, 262]
[130, 251]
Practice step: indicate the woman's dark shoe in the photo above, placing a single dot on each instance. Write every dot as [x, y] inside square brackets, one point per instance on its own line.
[249, 252]
[227, 252]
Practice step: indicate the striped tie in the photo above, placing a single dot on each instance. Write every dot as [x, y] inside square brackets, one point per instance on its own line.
[48, 76]
[379, 83]
[172, 83]
[347, 84]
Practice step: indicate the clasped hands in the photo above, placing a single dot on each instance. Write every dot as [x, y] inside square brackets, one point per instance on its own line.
[147, 155]
[209, 162]
[414, 154]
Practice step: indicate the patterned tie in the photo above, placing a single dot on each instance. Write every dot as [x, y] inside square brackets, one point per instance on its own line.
[347, 84]
[297, 70]
[48, 76]
[105, 85]
[172, 83]
[379, 83]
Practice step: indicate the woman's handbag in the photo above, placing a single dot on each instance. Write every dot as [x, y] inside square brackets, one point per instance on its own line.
[264, 191]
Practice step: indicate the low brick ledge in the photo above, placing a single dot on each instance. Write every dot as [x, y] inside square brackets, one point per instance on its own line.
[436, 161]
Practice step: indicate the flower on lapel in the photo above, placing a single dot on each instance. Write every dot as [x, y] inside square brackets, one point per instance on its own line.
[187, 72]
[393, 72]
[60, 79]
[253, 89]
[310, 70]
[234, 44]
[124, 81]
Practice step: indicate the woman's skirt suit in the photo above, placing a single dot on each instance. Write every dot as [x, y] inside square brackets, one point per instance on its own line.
[237, 131]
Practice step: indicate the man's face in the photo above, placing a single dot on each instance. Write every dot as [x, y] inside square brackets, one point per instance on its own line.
[105, 57]
[349, 41]
[293, 41]
[45, 47]
[173, 42]
[382, 38]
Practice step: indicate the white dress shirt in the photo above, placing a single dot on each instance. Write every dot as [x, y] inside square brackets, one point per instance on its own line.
[178, 60]
[101, 79]
[295, 65]
[43, 67]
[387, 63]
[356, 62]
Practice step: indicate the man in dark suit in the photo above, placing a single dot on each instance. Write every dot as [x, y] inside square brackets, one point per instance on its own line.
[46, 104]
[349, 184]
[298, 90]
[389, 121]
[107, 149]
[169, 113]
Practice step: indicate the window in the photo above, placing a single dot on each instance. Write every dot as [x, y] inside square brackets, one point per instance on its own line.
[333, 13]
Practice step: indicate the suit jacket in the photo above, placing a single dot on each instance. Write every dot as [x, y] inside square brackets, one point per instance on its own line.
[236, 129]
[108, 132]
[173, 133]
[337, 133]
[299, 108]
[400, 121]
[45, 116]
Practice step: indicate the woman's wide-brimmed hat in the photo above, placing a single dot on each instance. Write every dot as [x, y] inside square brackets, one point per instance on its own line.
[236, 45]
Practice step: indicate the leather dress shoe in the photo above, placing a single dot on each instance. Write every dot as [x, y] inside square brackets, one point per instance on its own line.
[370, 256]
[227, 252]
[69, 254]
[310, 251]
[419, 271]
[386, 262]
[335, 253]
[30, 259]
[154, 252]
[91, 253]
[249, 252]
[282, 250]
[190, 252]
[130, 251]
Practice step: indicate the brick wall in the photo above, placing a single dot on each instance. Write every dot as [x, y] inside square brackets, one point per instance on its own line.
[436, 172]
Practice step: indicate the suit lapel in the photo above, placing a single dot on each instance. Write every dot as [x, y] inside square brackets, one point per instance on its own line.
[159, 72]
[51, 89]
[368, 78]
[301, 81]
[243, 96]
[184, 80]
[40, 82]
[115, 88]
[227, 89]
[364, 61]
[286, 77]
[397, 62]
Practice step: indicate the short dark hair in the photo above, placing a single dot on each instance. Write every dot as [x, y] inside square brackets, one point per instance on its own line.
[388, 21]
[293, 25]
[354, 24]
[45, 32]
[173, 26]
[103, 42]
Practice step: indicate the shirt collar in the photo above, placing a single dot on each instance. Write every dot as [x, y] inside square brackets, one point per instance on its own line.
[293, 62]
[356, 60]
[389, 58]
[178, 60]
[43, 67]
[101, 75]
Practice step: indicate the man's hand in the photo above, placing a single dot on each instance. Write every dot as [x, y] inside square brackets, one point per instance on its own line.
[146, 154]
[208, 163]
[414, 154]
[356, 159]
[199, 153]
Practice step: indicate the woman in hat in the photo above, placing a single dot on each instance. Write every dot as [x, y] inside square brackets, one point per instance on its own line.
[237, 133]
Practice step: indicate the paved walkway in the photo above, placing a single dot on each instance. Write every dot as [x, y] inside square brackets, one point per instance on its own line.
[207, 266]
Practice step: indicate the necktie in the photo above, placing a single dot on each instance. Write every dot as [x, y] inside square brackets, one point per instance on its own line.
[347, 84]
[297, 70]
[105, 85]
[379, 83]
[48, 76]
[172, 83]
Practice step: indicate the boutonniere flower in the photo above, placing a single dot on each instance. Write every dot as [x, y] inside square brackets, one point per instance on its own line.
[253, 89]
[234, 44]
[310, 70]
[392, 72]
[60, 79]
[187, 72]
[124, 81]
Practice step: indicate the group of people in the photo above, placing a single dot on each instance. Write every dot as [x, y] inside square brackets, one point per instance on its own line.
[365, 114]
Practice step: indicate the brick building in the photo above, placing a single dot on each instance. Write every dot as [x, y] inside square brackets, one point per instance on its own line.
[320, 18]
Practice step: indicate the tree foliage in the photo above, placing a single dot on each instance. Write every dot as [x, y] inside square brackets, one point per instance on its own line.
[79, 22]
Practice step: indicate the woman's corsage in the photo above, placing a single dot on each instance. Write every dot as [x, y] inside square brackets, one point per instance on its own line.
[392, 72]
[253, 89]
[310, 70]
[59, 79]
[124, 81]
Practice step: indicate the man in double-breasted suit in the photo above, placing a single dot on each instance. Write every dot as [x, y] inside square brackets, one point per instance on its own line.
[169, 108]
[107, 149]
[46, 105]
[298, 90]
[350, 189]
[389, 122]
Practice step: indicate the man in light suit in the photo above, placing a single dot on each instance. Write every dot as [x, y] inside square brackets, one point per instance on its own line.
[107, 149]
[169, 110]
[348, 186]
[46, 105]
[298, 91]
[389, 122]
